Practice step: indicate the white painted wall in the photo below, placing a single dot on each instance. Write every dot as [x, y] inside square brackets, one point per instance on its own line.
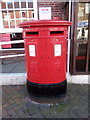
[11, 30]
[20, 79]
[35, 10]
[78, 79]
[13, 79]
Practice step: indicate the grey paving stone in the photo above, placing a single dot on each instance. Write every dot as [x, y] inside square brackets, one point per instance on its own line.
[37, 115]
[62, 115]
[21, 68]
[77, 114]
[5, 105]
[10, 101]
[19, 103]
[44, 107]
[6, 116]
[11, 106]
[50, 115]
[12, 114]
[13, 66]
[4, 113]
[33, 110]
[8, 67]
[21, 114]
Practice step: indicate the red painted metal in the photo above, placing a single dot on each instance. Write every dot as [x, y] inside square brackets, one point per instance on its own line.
[45, 67]
[5, 38]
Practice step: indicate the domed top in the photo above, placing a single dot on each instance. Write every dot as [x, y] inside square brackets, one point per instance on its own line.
[44, 23]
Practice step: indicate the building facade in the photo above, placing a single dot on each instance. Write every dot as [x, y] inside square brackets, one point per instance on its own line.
[13, 12]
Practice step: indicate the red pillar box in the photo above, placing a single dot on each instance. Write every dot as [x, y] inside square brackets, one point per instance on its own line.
[46, 49]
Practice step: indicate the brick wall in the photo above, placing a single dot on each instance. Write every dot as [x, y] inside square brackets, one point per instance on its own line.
[66, 11]
[56, 8]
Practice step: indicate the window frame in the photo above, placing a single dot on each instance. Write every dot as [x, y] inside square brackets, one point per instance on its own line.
[34, 11]
[75, 41]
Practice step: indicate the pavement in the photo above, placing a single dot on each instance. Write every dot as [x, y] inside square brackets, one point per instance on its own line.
[18, 103]
[13, 65]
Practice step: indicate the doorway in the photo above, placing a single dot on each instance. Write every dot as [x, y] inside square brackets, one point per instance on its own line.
[81, 43]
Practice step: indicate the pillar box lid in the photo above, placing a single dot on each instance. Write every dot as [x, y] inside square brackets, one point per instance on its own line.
[38, 23]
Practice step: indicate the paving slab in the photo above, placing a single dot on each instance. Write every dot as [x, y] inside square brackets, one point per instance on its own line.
[20, 104]
[13, 65]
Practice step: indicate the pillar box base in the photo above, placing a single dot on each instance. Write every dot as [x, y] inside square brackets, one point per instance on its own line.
[47, 89]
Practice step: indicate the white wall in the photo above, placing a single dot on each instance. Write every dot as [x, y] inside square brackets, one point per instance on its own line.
[20, 79]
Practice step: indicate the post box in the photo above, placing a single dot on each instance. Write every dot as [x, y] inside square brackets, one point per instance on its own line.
[46, 50]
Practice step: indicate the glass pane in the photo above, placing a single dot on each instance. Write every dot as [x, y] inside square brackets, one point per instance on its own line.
[83, 14]
[30, 4]
[5, 23]
[6, 15]
[24, 14]
[30, 14]
[17, 13]
[16, 4]
[3, 14]
[11, 13]
[12, 24]
[3, 5]
[18, 22]
[10, 5]
[23, 4]
[81, 52]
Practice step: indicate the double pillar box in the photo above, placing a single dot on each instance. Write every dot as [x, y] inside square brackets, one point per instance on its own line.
[45, 44]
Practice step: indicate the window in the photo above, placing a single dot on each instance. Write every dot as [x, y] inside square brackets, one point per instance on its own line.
[23, 14]
[87, 8]
[82, 30]
[81, 55]
[16, 11]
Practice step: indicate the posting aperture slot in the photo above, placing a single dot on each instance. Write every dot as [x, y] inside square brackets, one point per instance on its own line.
[56, 33]
[32, 33]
